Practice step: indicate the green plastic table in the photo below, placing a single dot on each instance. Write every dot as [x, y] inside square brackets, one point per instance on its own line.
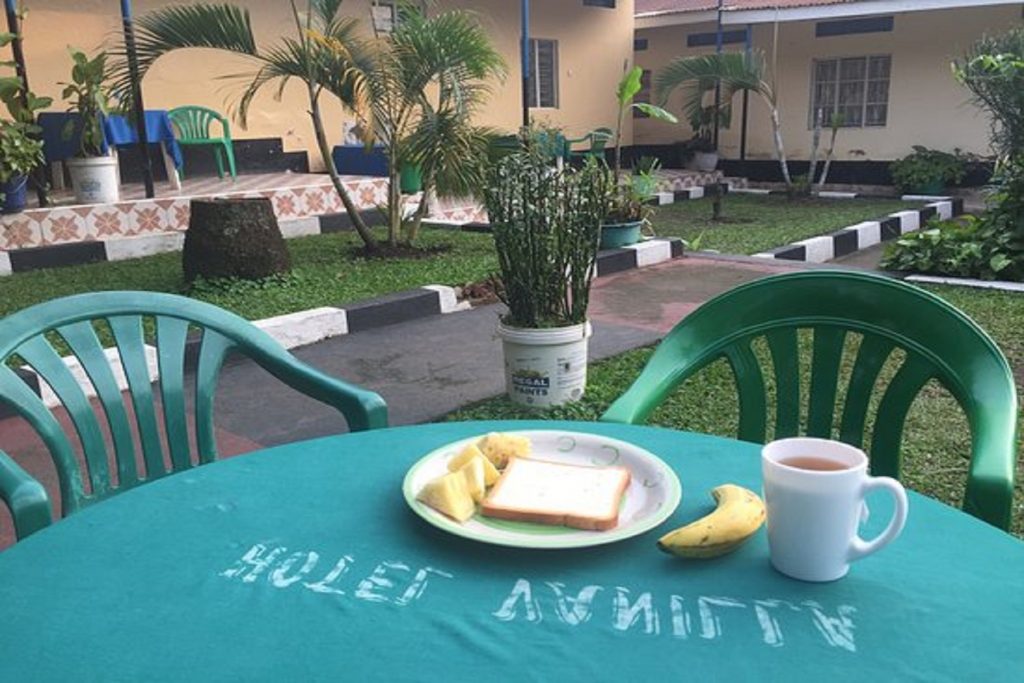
[303, 563]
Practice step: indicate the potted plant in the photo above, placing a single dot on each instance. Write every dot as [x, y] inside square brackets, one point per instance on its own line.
[629, 207]
[546, 223]
[21, 152]
[928, 171]
[701, 152]
[94, 173]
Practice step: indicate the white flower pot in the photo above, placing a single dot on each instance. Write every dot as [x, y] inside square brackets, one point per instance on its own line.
[96, 180]
[545, 367]
[705, 161]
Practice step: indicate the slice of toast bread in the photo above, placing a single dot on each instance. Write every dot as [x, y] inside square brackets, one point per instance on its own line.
[554, 493]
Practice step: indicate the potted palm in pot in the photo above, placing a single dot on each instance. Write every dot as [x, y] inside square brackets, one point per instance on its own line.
[94, 173]
[546, 224]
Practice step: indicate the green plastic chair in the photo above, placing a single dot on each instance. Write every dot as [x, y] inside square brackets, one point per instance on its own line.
[597, 140]
[29, 334]
[194, 123]
[940, 343]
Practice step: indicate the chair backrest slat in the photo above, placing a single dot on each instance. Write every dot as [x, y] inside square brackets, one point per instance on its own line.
[38, 353]
[171, 335]
[28, 405]
[81, 337]
[211, 357]
[784, 345]
[825, 360]
[131, 345]
[871, 356]
[895, 404]
[750, 389]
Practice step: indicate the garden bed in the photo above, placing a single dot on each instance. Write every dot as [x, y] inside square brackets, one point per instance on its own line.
[937, 438]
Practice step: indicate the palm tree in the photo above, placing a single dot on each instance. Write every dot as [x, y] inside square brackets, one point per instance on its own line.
[339, 71]
[428, 78]
[736, 72]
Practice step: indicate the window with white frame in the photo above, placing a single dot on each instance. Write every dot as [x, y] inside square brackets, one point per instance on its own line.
[543, 81]
[855, 88]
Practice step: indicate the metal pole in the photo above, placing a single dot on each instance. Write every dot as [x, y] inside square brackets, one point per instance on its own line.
[746, 98]
[137, 105]
[718, 83]
[525, 50]
[11, 8]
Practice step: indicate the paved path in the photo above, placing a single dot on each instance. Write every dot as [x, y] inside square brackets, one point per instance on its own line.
[429, 367]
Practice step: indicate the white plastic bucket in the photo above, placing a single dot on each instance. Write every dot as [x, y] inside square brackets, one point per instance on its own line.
[95, 179]
[545, 367]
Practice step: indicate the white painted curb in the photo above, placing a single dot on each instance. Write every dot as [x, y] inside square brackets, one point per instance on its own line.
[5, 263]
[300, 227]
[650, 252]
[449, 302]
[749, 190]
[869, 233]
[818, 249]
[909, 220]
[143, 245]
[305, 327]
[967, 282]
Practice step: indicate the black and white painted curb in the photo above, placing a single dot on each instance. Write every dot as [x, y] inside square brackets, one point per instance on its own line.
[317, 324]
[868, 233]
[1000, 285]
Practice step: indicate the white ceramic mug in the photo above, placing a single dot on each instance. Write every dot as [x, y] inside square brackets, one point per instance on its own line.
[813, 514]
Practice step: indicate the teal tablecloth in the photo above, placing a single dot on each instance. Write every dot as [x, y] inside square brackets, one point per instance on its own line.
[303, 563]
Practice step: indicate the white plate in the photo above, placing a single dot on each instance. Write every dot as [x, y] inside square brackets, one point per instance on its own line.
[652, 496]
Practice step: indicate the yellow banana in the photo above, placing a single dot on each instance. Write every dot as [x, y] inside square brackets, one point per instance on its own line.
[740, 513]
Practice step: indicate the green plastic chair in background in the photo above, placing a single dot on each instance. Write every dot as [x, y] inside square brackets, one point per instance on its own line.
[597, 140]
[193, 125]
[939, 341]
[29, 334]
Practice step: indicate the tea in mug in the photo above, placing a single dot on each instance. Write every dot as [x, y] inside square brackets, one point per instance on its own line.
[813, 463]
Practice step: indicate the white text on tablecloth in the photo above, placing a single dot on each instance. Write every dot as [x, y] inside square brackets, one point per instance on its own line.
[681, 617]
[699, 616]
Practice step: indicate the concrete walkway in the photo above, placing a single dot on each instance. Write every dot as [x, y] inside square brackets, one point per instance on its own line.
[426, 368]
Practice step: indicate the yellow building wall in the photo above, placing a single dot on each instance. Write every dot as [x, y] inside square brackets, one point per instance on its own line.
[926, 105]
[593, 45]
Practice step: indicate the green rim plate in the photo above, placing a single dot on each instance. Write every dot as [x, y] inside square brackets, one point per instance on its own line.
[653, 494]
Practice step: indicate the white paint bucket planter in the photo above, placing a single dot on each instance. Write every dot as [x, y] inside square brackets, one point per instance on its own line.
[95, 179]
[545, 367]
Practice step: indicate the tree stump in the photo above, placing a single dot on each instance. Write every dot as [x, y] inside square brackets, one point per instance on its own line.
[233, 237]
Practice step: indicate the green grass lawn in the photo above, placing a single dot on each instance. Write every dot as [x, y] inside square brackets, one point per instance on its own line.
[325, 274]
[756, 223]
[936, 442]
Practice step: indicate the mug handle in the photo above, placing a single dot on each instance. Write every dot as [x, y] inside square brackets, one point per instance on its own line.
[859, 548]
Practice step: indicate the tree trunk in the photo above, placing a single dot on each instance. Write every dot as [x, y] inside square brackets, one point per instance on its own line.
[325, 153]
[828, 158]
[780, 151]
[233, 237]
[812, 168]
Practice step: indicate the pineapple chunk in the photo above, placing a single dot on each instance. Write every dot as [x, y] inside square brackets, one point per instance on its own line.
[450, 495]
[473, 471]
[500, 447]
[491, 474]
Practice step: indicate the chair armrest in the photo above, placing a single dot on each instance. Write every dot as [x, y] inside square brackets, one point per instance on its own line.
[25, 497]
[362, 408]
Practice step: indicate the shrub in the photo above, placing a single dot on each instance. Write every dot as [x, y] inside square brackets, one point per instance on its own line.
[963, 247]
[928, 168]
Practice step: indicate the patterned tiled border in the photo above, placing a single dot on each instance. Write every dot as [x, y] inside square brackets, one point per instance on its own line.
[868, 233]
[65, 225]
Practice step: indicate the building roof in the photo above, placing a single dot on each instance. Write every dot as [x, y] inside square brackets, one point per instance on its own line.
[680, 6]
